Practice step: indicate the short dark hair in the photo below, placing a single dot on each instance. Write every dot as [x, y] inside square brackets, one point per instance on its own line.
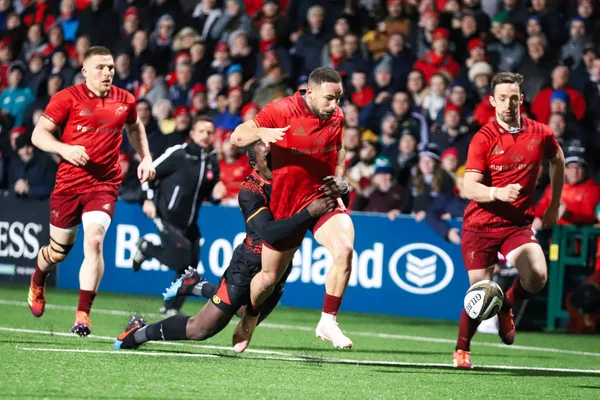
[96, 51]
[251, 151]
[506, 77]
[203, 118]
[324, 75]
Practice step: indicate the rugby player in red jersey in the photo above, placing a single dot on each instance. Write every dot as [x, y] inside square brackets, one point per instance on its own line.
[305, 133]
[503, 164]
[91, 117]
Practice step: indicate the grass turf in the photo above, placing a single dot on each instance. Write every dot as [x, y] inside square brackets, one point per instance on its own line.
[292, 362]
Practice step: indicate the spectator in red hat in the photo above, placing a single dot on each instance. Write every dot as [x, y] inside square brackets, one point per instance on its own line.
[131, 23]
[68, 20]
[152, 87]
[35, 73]
[221, 59]
[454, 132]
[249, 110]
[199, 100]
[183, 120]
[428, 23]
[40, 12]
[34, 43]
[450, 161]
[438, 59]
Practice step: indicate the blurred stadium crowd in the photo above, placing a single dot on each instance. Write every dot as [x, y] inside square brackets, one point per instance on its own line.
[417, 78]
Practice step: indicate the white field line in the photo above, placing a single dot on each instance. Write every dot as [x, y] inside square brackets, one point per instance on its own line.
[349, 333]
[320, 360]
[185, 344]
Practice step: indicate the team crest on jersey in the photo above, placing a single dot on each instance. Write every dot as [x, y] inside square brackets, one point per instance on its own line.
[53, 214]
[533, 144]
[334, 125]
[319, 141]
[120, 110]
[517, 158]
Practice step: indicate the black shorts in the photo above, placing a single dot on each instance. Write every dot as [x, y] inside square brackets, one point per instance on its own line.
[234, 288]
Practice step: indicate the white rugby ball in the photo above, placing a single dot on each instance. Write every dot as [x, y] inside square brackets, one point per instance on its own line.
[483, 300]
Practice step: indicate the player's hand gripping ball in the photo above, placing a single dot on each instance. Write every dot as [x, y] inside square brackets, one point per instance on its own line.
[483, 300]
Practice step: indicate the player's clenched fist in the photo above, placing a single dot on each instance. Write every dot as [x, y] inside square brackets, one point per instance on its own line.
[146, 171]
[321, 206]
[272, 135]
[75, 155]
[149, 209]
[509, 193]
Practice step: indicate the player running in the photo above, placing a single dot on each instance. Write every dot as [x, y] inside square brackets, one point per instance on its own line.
[503, 163]
[233, 291]
[306, 132]
[91, 116]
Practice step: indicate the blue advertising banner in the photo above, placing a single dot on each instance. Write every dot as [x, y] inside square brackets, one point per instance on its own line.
[400, 267]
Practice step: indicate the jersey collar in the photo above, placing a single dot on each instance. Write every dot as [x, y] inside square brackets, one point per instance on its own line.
[503, 131]
[300, 97]
[93, 95]
[260, 178]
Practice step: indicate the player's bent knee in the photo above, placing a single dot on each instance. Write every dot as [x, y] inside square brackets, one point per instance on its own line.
[196, 331]
[535, 281]
[342, 253]
[93, 242]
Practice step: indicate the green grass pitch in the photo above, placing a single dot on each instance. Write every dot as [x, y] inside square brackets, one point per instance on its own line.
[393, 358]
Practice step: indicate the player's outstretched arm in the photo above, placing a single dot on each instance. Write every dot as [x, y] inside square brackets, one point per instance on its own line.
[249, 132]
[136, 133]
[261, 221]
[43, 138]
[476, 191]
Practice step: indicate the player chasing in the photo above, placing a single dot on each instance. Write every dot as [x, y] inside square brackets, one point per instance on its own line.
[503, 163]
[233, 292]
[305, 131]
[91, 117]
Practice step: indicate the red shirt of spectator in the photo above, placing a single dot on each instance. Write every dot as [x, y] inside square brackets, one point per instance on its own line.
[540, 107]
[580, 196]
[233, 168]
[42, 12]
[438, 59]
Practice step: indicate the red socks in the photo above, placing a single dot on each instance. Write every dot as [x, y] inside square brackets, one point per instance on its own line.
[86, 299]
[466, 331]
[39, 277]
[331, 304]
[515, 293]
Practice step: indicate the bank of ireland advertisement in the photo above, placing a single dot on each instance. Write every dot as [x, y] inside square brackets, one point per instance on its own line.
[23, 230]
[400, 267]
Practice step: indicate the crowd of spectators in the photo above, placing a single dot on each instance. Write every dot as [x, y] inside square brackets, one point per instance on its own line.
[416, 75]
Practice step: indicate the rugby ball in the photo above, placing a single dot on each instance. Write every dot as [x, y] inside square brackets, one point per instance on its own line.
[483, 300]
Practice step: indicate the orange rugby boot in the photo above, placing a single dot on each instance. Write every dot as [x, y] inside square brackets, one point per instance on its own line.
[36, 299]
[462, 359]
[82, 325]
[506, 324]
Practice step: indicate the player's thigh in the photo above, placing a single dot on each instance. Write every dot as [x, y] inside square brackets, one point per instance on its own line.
[65, 215]
[478, 275]
[98, 209]
[210, 321]
[480, 250]
[335, 231]
[276, 262]
[523, 251]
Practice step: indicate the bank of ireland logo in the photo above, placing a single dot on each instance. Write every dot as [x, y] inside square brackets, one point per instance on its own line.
[421, 268]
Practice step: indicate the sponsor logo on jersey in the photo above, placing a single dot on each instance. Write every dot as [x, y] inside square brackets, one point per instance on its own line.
[216, 300]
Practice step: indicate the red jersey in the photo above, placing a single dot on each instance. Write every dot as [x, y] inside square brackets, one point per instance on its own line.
[581, 200]
[503, 159]
[307, 153]
[96, 124]
[232, 175]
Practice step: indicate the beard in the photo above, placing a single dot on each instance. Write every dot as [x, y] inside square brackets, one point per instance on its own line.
[508, 119]
[320, 114]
